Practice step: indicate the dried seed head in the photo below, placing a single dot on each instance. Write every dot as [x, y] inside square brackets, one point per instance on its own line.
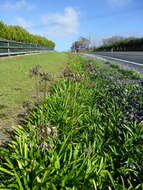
[45, 76]
[141, 123]
[67, 72]
[34, 71]
[48, 130]
[90, 68]
[43, 146]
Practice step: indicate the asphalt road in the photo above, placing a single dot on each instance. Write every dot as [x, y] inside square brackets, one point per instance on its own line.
[129, 60]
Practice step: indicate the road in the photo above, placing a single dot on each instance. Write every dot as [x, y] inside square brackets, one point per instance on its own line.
[129, 60]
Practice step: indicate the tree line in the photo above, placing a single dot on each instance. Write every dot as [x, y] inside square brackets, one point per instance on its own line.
[116, 43]
[19, 34]
[113, 43]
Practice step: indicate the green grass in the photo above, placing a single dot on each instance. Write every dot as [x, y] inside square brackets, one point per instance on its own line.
[15, 84]
[126, 73]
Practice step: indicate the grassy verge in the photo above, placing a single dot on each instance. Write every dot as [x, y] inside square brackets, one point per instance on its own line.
[82, 136]
[17, 87]
[126, 72]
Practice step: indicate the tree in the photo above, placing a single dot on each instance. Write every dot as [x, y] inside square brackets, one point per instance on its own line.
[2, 30]
[81, 44]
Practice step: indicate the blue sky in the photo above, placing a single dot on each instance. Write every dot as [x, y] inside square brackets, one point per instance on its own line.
[63, 21]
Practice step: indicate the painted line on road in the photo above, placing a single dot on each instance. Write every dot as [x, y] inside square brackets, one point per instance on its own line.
[122, 60]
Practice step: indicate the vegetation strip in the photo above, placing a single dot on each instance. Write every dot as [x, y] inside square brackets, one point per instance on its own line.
[83, 135]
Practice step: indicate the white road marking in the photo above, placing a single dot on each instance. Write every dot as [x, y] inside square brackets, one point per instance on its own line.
[117, 59]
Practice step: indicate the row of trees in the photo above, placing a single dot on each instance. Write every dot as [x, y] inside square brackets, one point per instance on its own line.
[114, 43]
[117, 43]
[19, 34]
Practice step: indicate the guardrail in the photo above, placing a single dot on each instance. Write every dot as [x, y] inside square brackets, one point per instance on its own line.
[9, 47]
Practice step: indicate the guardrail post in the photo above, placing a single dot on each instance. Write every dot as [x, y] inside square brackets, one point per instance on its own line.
[30, 48]
[8, 50]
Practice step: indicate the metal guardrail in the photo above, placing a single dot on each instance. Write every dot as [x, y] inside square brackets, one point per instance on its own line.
[9, 47]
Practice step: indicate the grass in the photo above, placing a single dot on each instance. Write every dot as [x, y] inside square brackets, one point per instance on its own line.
[126, 73]
[15, 84]
[81, 137]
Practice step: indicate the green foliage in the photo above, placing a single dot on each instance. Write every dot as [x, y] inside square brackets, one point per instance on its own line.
[130, 73]
[76, 140]
[126, 73]
[19, 34]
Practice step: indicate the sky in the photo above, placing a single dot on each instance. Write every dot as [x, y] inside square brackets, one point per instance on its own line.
[64, 21]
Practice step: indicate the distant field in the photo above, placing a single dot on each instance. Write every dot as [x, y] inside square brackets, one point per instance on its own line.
[15, 84]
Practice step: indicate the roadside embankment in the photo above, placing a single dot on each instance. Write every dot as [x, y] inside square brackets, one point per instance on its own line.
[87, 134]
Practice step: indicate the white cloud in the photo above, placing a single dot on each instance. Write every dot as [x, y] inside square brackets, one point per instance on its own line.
[62, 25]
[17, 5]
[118, 2]
[22, 22]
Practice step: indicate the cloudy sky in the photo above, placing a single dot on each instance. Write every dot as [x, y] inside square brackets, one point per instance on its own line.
[63, 21]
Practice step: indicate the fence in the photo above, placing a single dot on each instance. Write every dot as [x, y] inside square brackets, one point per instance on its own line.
[8, 47]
